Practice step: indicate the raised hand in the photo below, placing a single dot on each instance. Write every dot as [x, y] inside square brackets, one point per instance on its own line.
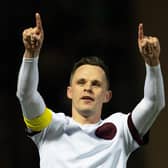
[33, 38]
[149, 47]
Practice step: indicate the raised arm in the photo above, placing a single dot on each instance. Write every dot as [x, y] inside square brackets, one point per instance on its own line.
[32, 104]
[146, 112]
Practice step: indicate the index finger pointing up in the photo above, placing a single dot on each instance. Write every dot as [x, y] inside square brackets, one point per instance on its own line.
[140, 32]
[38, 21]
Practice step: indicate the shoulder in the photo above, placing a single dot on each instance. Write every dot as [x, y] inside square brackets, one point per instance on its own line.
[119, 120]
[60, 117]
[117, 117]
[112, 126]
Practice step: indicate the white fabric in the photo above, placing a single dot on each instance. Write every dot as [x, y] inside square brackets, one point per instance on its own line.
[66, 143]
[32, 103]
[145, 113]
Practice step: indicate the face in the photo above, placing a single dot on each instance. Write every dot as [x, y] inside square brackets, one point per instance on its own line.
[88, 90]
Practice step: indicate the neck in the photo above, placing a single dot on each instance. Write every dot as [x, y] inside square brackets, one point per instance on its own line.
[85, 119]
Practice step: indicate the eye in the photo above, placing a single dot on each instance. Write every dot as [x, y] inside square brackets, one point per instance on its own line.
[96, 83]
[81, 81]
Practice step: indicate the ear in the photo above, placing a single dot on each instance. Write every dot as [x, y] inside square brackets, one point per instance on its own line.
[69, 92]
[108, 96]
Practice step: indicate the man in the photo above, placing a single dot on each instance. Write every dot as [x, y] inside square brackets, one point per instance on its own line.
[85, 140]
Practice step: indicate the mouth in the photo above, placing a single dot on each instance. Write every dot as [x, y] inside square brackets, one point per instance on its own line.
[87, 98]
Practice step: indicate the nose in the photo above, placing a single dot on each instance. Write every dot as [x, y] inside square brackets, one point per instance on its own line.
[88, 87]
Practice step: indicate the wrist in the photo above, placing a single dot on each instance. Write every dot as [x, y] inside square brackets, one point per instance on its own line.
[31, 54]
[152, 62]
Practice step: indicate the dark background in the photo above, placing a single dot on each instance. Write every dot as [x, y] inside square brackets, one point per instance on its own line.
[73, 29]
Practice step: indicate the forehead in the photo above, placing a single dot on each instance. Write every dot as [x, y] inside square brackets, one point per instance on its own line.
[89, 71]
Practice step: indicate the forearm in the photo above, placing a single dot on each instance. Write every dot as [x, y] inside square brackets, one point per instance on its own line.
[150, 106]
[31, 102]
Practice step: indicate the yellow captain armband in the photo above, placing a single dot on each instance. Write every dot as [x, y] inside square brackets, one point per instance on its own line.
[40, 122]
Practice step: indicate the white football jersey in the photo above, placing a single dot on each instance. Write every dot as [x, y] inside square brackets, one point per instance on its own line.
[106, 144]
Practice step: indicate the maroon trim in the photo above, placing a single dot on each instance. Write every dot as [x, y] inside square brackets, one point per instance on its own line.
[135, 134]
[106, 131]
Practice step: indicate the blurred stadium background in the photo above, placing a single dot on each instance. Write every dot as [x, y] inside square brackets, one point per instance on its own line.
[73, 29]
